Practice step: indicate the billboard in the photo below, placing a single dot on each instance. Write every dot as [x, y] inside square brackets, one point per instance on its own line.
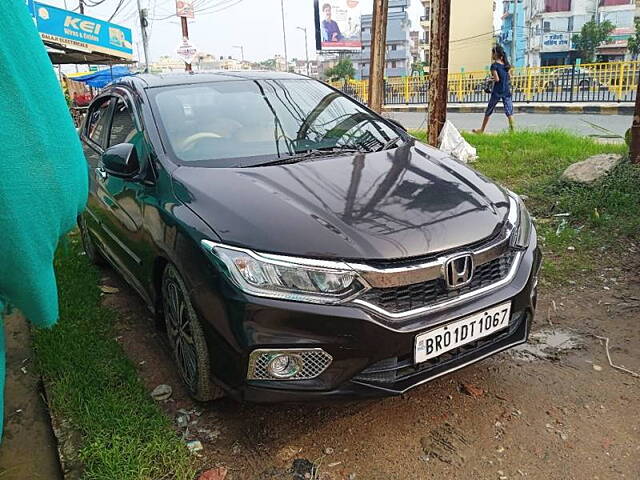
[556, 42]
[82, 33]
[184, 8]
[338, 25]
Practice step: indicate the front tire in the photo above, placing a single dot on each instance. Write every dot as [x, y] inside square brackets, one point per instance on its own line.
[186, 338]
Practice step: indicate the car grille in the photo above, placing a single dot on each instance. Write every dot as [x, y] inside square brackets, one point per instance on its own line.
[409, 297]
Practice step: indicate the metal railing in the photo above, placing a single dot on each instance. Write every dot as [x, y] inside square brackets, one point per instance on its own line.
[595, 82]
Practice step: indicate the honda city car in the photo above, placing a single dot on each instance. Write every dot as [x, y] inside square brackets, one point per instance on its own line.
[295, 245]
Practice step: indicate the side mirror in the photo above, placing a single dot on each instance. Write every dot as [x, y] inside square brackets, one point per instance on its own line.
[396, 123]
[121, 161]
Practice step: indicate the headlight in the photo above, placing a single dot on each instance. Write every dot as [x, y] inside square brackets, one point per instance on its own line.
[288, 278]
[522, 223]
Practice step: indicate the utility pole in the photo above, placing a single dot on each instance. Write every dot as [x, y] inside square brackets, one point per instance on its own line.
[185, 35]
[634, 151]
[514, 31]
[81, 7]
[284, 38]
[378, 48]
[306, 48]
[142, 13]
[438, 69]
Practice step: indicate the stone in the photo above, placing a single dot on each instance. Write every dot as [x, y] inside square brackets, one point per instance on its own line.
[591, 169]
[161, 392]
[219, 473]
[108, 289]
[195, 446]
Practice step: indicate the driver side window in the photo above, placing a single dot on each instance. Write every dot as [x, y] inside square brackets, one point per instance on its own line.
[98, 122]
[123, 126]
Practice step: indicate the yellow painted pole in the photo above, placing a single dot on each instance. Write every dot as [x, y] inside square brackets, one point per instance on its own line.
[406, 89]
[621, 80]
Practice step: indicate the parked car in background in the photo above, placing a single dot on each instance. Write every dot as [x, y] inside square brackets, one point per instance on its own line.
[576, 78]
[296, 245]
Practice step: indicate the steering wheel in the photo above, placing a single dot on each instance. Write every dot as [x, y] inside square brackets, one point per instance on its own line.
[189, 142]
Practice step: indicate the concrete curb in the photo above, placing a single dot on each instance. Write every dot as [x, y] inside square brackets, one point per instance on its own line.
[626, 109]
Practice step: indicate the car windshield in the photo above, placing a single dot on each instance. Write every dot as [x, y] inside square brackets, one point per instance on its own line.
[251, 122]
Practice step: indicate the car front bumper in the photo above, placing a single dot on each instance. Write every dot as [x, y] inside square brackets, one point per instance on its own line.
[371, 355]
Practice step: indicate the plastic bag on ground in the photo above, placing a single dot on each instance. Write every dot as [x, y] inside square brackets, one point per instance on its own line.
[451, 142]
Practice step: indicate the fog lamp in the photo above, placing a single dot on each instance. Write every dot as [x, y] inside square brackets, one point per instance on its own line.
[284, 365]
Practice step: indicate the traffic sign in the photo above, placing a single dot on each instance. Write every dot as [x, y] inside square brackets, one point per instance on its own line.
[186, 51]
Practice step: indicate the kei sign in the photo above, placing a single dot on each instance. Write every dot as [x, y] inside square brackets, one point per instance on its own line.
[80, 32]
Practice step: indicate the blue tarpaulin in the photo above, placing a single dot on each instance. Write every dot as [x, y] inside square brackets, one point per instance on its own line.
[101, 78]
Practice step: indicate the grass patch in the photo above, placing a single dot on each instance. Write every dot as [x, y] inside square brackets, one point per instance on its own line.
[95, 386]
[600, 216]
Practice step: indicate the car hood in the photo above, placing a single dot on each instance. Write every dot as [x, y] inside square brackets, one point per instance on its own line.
[407, 202]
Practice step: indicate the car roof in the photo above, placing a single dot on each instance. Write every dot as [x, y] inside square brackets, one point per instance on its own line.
[152, 80]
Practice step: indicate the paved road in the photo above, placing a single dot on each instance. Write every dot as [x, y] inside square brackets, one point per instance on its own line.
[534, 121]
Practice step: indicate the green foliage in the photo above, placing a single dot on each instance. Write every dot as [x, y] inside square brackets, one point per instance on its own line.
[343, 70]
[269, 64]
[418, 68]
[591, 37]
[601, 216]
[125, 436]
[634, 41]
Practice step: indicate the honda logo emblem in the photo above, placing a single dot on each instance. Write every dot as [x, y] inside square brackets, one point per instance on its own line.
[458, 271]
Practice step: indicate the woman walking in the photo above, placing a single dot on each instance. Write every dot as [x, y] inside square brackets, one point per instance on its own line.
[500, 72]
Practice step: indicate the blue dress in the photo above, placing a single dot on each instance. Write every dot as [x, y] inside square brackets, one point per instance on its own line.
[501, 91]
[43, 174]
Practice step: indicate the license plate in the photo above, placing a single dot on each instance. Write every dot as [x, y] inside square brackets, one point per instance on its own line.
[455, 334]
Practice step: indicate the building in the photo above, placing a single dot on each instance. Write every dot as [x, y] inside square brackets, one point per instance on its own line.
[414, 38]
[166, 64]
[513, 27]
[471, 34]
[551, 24]
[398, 43]
[300, 67]
[425, 39]
[621, 13]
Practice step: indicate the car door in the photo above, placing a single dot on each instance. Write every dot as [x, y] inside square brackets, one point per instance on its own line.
[94, 135]
[122, 199]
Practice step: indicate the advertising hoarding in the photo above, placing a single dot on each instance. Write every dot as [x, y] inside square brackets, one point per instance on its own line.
[338, 25]
[184, 8]
[556, 42]
[82, 33]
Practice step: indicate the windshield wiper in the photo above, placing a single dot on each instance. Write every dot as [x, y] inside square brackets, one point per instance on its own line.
[390, 144]
[311, 153]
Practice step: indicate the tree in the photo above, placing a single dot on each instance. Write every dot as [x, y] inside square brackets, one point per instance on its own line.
[343, 70]
[418, 68]
[591, 37]
[634, 41]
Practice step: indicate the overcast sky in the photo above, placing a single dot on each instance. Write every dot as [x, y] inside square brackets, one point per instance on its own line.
[254, 24]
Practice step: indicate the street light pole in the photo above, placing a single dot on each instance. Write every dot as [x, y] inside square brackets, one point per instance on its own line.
[306, 48]
[284, 38]
[241, 51]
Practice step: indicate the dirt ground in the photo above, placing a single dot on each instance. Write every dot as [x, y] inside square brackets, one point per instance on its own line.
[28, 445]
[553, 409]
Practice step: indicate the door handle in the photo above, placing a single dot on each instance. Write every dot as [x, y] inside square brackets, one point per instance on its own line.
[102, 173]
